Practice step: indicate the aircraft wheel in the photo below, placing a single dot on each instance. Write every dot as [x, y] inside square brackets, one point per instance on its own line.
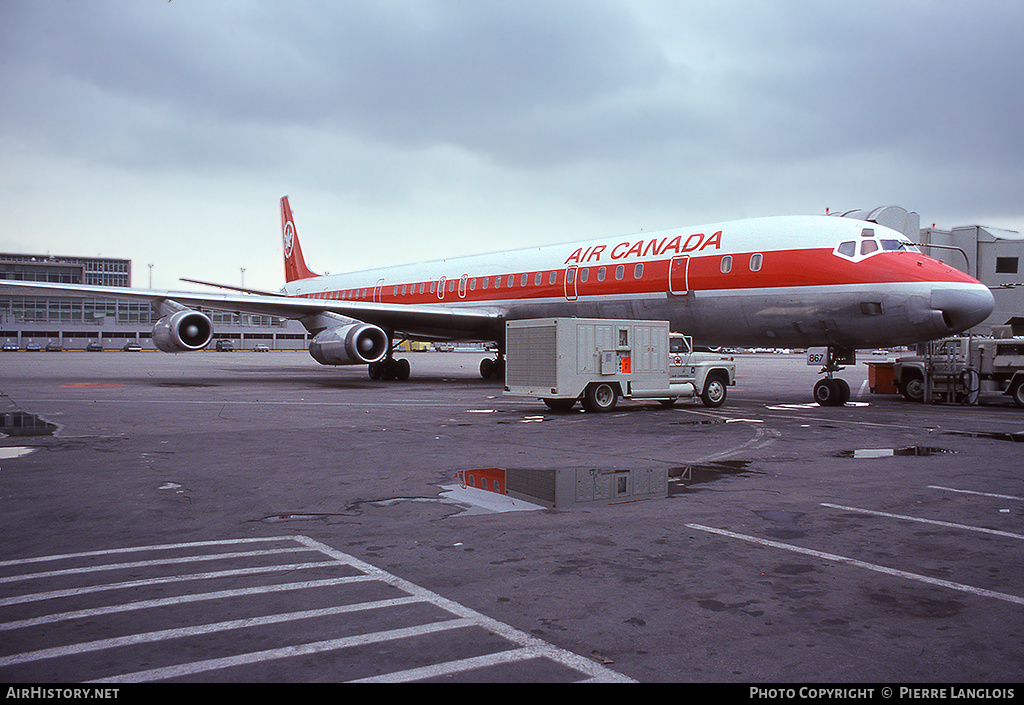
[402, 369]
[714, 392]
[373, 369]
[827, 392]
[487, 368]
[844, 391]
[600, 397]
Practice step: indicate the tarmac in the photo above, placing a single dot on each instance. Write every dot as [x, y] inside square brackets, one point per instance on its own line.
[240, 517]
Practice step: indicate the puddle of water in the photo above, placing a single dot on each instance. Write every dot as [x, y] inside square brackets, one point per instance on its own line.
[892, 452]
[686, 475]
[18, 423]
[562, 487]
[1017, 437]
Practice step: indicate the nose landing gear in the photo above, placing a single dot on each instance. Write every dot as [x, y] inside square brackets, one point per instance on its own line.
[832, 391]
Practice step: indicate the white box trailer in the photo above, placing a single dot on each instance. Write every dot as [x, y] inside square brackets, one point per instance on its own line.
[598, 361]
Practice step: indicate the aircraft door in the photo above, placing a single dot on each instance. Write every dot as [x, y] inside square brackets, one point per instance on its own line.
[678, 275]
[570, 283]
[440, 287]
[462, 286]
[378, 287]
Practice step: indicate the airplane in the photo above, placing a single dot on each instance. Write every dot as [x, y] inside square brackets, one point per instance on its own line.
[782, 281]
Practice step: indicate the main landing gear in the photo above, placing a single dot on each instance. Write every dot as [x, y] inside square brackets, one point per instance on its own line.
[389, 368]
[832, 391]
[493, 368]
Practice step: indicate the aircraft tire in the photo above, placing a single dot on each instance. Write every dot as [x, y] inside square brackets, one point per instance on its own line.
[487, 368]
[402, 369]
[600, 397]
[844, 392]
[827, 392]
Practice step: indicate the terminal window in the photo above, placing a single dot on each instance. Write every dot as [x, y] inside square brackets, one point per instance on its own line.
[1006, 265]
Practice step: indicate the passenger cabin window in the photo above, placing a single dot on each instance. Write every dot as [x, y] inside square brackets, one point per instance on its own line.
[553, 278]
[620, 271]
[726, 264]
[638, 271]
[755, 262]
[584, 274]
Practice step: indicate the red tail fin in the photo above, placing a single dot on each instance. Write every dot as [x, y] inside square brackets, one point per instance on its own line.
[294, 264]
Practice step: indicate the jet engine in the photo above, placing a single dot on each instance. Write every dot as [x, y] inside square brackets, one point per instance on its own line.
[183, 331]
[354, 344]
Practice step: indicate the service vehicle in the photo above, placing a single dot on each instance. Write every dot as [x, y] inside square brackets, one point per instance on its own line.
[598, 361]
[960, 369]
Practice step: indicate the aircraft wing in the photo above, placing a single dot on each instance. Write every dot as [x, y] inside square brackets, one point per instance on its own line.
[426, 321]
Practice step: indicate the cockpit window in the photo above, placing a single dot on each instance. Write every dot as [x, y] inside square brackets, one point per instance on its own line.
[869, 245]
[899, 246]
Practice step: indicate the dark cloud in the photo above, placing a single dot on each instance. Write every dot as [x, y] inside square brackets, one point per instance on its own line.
[669, 107]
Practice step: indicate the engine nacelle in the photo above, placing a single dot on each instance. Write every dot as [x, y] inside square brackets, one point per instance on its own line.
[355, 344]
[183, 331]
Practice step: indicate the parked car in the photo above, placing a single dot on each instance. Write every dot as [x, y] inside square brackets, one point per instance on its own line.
[260, 347]
[94, 346]
[10, 346]
[33, 346]
[225, 346]
[54, 346]
[132, 346]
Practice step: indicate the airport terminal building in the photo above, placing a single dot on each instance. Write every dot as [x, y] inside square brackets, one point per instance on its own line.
[73, 323]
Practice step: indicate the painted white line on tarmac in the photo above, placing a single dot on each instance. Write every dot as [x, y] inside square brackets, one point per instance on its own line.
[198, 630]
[936, 522]
[979, 494]
[189, 669]
[980, 592]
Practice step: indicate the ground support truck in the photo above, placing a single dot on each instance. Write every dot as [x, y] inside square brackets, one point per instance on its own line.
[960, 369]
[598, 361]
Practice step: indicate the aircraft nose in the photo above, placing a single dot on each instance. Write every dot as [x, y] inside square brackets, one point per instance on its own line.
[963, 307]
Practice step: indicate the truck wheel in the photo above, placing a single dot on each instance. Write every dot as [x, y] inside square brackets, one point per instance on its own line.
[913, 388]
[714, 392]
[1018, 393]
[600, 396]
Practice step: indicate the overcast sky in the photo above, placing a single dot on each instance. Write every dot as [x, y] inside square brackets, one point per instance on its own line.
[402, 130]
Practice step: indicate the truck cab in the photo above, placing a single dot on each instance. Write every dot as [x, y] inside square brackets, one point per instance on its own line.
[710, 373]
